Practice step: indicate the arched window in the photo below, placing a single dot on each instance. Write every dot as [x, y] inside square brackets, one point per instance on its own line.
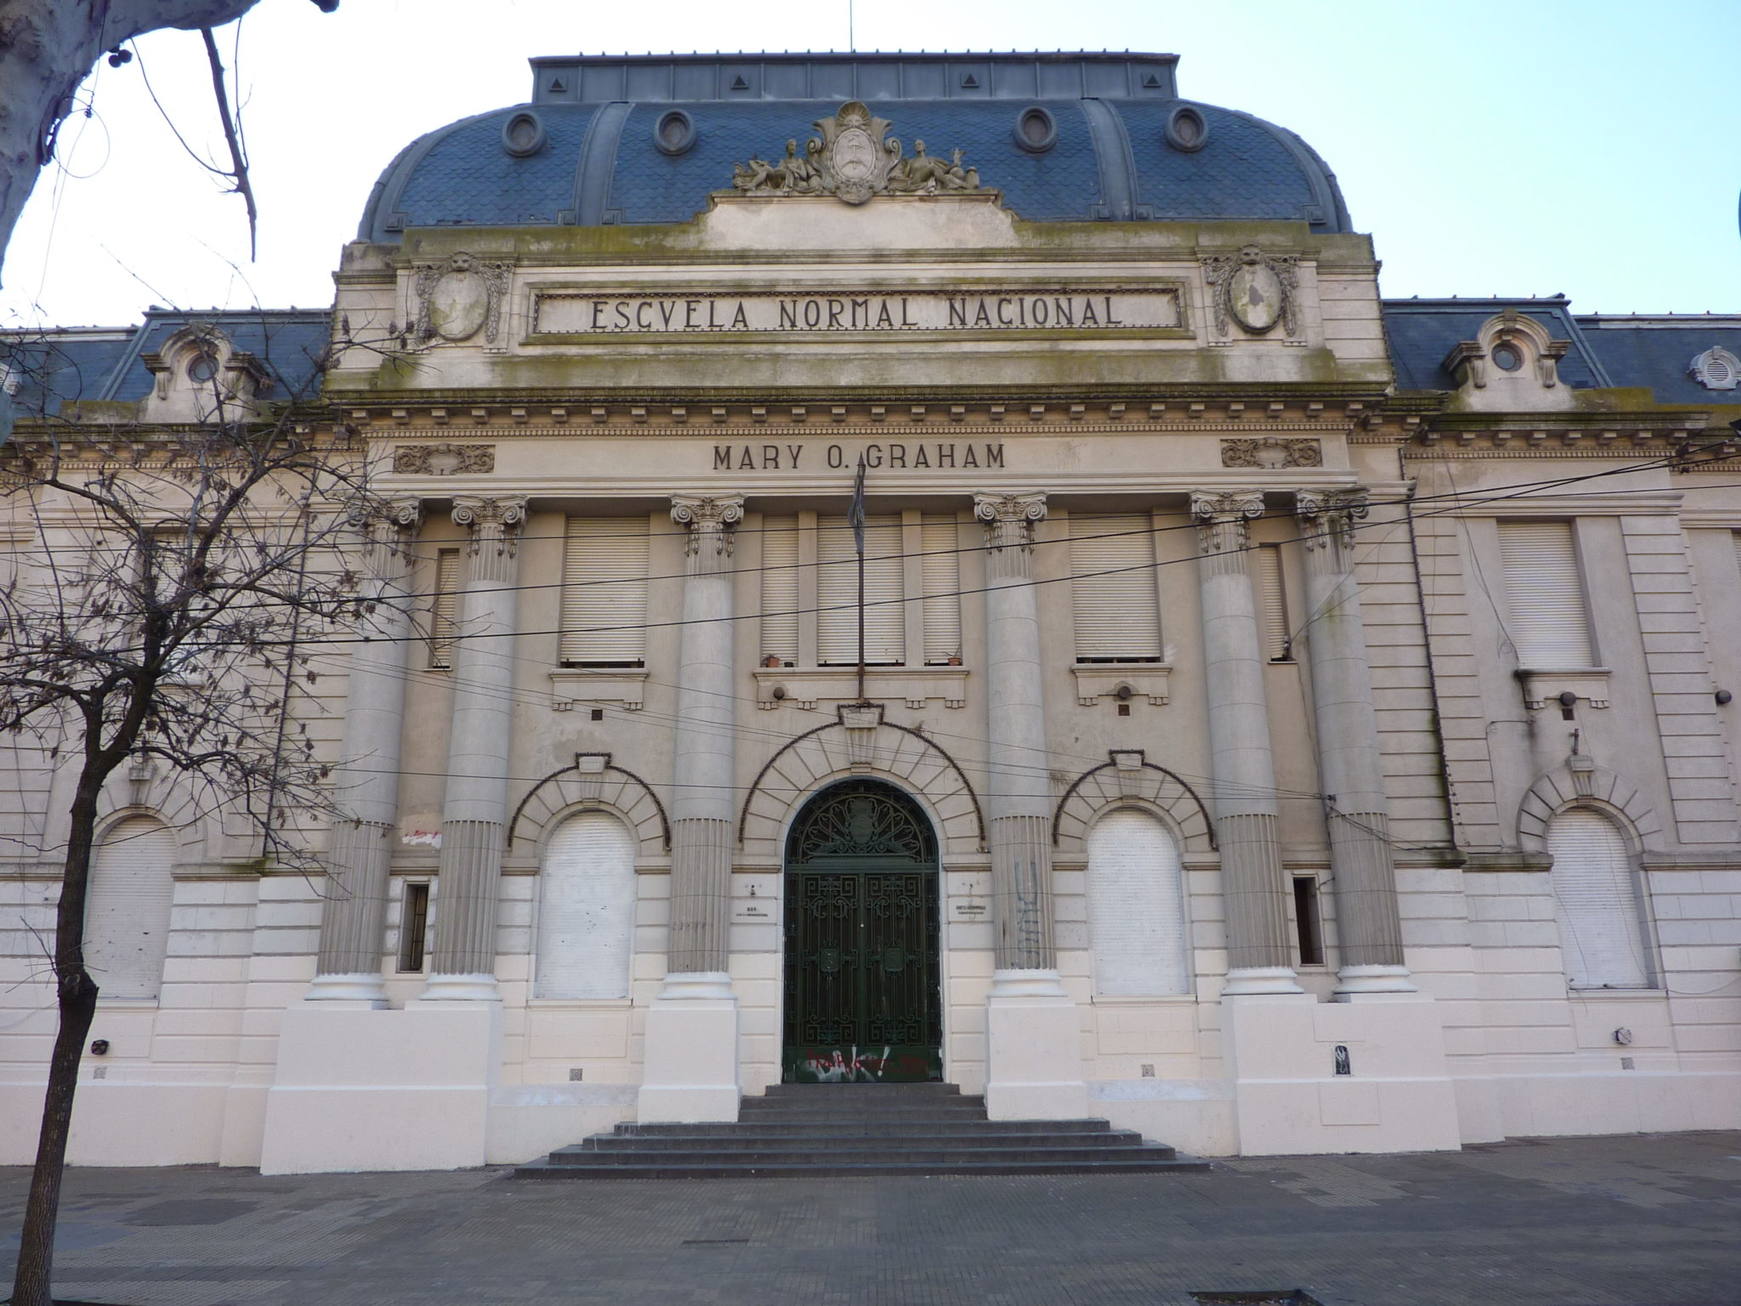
[127, 908]
[586, 910]
[1136, 907]
[1597, 903]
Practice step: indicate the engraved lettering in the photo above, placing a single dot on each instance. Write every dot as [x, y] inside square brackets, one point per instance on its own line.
[919, 458]
[788, 315]
[957, 311]
[885, 319]
[873, 455]
[771, 455]
[994, 455]
[970, 460]
[739, 322]
[897, 455]
[722, 457]
[794, 450]
[836, 457]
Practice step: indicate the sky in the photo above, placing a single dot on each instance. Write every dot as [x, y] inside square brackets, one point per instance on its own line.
[1523, 148]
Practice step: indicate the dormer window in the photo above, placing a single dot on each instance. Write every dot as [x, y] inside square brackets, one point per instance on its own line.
[201, 368]
[1512, 362]
[1507, 357]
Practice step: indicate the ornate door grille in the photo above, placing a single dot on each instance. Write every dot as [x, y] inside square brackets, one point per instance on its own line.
[862, 986]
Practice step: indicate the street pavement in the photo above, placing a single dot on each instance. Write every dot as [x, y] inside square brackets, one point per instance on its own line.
[1631, 1221]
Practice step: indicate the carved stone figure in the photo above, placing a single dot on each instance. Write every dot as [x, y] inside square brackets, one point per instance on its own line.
[854, 159]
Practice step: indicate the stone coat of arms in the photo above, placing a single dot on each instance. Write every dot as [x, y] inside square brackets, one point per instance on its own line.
[854, 159]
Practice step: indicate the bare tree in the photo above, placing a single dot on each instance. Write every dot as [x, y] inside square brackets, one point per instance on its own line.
[47, 47]
[156, 613]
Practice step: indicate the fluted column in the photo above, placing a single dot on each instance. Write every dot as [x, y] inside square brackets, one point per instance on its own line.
[1018, 797]
[1033, 1038]
[701, 806]
[474, 810]
[1243, 771]
[366, 785]
[1350, 766]
[689, 1061]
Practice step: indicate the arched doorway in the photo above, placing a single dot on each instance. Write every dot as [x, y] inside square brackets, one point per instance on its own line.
[863, 992]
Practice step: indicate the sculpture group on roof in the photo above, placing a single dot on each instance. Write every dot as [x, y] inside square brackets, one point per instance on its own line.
[854, 159]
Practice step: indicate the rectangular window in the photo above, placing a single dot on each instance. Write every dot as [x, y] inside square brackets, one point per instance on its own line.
[444, 609]
[604, 592]
[1272, 604]
[413, 925]
[940, 571]
[1112, 565]
[1544, 595]
[837, 593]
[780, 589]
[1308, 926]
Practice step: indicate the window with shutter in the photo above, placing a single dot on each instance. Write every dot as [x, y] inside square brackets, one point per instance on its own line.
[1544, 595]
[780, 589]
[1136, 908]
[604, 592]
[444, 609]
[1272, 604]
[1597, 903]
[586, 910]
[885, 636]
[1112, 564]
[127, 910]
[940, 571]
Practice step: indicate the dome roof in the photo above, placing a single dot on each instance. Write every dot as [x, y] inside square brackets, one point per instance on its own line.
[1071, 137]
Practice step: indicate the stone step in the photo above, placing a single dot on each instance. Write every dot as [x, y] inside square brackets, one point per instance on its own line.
[834, 1170]
[991, 1139]
[860, 1126]
[824, 1157]
[933, 1089]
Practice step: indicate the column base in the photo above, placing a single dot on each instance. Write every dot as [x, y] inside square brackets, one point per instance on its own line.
[1355, 983]
[1246, 980]
[368, 990]
[690, 1052]
[1033, 1049]
[459, 988]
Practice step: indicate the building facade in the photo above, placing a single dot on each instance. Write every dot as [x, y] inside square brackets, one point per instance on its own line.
[1268, 717]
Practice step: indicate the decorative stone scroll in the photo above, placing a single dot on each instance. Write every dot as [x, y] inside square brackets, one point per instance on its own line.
[1272, 452]
[443, 459]
[459, 297]
[1254, 289]
[854, 159]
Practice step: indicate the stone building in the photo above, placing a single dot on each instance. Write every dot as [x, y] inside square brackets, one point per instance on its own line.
[1276, 719]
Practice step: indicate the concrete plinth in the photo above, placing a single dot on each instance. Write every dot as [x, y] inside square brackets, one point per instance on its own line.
[690, 1059]
[1033, 1049]
[1288, 1098]
[358, 1089]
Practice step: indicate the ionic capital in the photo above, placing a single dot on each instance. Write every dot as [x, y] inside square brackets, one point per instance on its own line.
[708, 518]
[494, 521]
[1327, 517]
[1223, 517]
[1009, 518]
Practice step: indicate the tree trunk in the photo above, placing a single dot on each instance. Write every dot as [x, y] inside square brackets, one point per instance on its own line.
[76, 996]
[47, 47]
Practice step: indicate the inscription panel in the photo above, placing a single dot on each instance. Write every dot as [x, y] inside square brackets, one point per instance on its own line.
[569, 313]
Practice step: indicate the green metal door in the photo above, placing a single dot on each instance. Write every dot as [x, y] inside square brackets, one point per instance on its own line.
[863, 998]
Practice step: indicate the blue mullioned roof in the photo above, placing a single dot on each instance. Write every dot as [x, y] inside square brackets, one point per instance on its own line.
[1248, 168]
[649, 186]
[1657, 352]
[1422, 332]
[57, 367]
[1111, 159]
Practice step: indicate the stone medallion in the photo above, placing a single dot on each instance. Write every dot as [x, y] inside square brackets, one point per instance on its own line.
[1255, 297]
[459, 303]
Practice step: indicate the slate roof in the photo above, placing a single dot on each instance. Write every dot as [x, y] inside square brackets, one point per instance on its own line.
[1656, 352]
[599, 165]
[68, 365]
[1422, 331]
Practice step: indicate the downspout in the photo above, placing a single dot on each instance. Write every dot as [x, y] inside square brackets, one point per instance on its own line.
[1427, 647]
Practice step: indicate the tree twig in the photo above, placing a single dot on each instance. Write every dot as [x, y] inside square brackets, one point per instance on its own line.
[238, 159]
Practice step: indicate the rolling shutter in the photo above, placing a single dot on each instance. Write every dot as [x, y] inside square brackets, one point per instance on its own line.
[1112, 561]
[586, 910]
[1596, 903]
[1272, 603]
[1544, 595]
[1136, 908]
[941, 573]
[604, 592]
[127, 911]
[837, 593]
[444, 612]
[780, 588]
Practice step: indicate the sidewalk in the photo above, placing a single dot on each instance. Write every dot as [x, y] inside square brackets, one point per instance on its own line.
[1652, 1219]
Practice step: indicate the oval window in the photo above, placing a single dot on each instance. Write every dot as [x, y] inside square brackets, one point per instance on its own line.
[1507, 358]
[1036, 130]
[1187, 129]
[523, 134]
[674, 133]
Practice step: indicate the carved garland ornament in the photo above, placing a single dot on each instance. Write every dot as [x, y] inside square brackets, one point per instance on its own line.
[443, 459]
[1271, 452]
[1254, 289]
[459, 297]
[854, 159]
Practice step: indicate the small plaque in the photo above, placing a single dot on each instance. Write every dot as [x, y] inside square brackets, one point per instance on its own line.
[750, 911]
[970, 909]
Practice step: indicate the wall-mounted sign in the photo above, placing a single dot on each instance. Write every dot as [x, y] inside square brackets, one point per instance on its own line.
[1010, 308]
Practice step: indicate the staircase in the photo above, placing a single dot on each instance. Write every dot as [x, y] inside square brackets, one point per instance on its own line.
[864, 1129]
